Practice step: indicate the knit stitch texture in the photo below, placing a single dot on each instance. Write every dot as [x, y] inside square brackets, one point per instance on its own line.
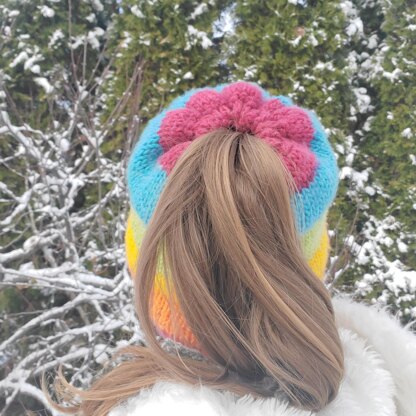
[293, 131]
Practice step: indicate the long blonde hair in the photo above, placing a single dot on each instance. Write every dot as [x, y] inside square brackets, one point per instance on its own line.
[225, 230]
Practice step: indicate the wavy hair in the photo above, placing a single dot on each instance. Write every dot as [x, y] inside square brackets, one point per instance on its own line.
[225, 230]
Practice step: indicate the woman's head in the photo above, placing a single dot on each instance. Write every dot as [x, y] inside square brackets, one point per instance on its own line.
[224, 240]
[292, 133]
[227, 242]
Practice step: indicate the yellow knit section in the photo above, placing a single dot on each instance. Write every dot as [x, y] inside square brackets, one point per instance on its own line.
[164, 310]
[311, 240]
[167, 315]
[132, 252]
[135, 231]
[320, 258]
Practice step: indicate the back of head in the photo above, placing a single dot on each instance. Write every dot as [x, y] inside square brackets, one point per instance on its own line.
[236, 284]
[227, 244]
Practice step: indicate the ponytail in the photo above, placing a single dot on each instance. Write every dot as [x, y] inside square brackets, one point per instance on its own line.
[225, 234]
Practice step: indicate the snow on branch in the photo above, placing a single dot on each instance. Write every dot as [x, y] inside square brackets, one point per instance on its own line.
[62, 217]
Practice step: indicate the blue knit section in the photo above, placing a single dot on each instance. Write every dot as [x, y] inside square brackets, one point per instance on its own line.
[146, 178]
[314, 200]
[285, 100]
[319, 195]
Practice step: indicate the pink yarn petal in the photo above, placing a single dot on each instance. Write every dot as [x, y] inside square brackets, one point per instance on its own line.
[245, 120]
[177, 126]
[268, 130]
[300, 161]
[241, 105]
[267, 112]
[204, 102]
[244, 101]
[294, 124]
[242, 94]
[272, 105]
[168, 160]
[220, 117]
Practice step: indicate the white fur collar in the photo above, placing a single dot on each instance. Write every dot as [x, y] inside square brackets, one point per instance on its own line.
[380, 377]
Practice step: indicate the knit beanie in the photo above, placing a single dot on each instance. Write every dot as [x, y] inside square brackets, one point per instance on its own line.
[294, 132]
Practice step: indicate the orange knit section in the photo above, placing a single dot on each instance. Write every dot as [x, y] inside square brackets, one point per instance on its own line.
[169, 319]
[167, 316]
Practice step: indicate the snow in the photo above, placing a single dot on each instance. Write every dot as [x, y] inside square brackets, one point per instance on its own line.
[20, 58]
[355, 27]
[91, 18]
[358, 178]
[327, 66]
[14, 13]
[303, 3]
[136, 11]
[372, 41]
[55, 37]
[198, 35]
[312, 40]
[126, 39]
[403, 248]
[47, 11]
[44, 83]
[339, 148]
[298, 87]
[64, 145]
[62, 251]
[393, 76]
[407, 133]
[97, 5]
[388, 241]
[396, 278]
[401, 281]
[30, 63]
[200, 9]
[93, 37]
[349, 159]
[295, 42]
[363, 100]
[22, 204]
[370, 190]
[143, 40]
[188, 75]
[250, 72]
[225, 24]
[355, 24]
[35, 69]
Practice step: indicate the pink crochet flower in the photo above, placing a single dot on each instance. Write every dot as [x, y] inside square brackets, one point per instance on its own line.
[241, 105]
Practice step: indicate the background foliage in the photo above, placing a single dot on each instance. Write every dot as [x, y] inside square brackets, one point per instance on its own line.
[78, 81]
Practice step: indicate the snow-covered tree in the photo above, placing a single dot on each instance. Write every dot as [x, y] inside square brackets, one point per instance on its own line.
[301, 49]
[177, 46]
[381, 153]
[66, 296]
[353, 62]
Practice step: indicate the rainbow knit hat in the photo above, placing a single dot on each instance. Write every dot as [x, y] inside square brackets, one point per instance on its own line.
[295, 133]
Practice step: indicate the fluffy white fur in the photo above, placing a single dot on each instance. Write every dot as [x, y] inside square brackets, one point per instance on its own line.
[395, 344]
[380, 377]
